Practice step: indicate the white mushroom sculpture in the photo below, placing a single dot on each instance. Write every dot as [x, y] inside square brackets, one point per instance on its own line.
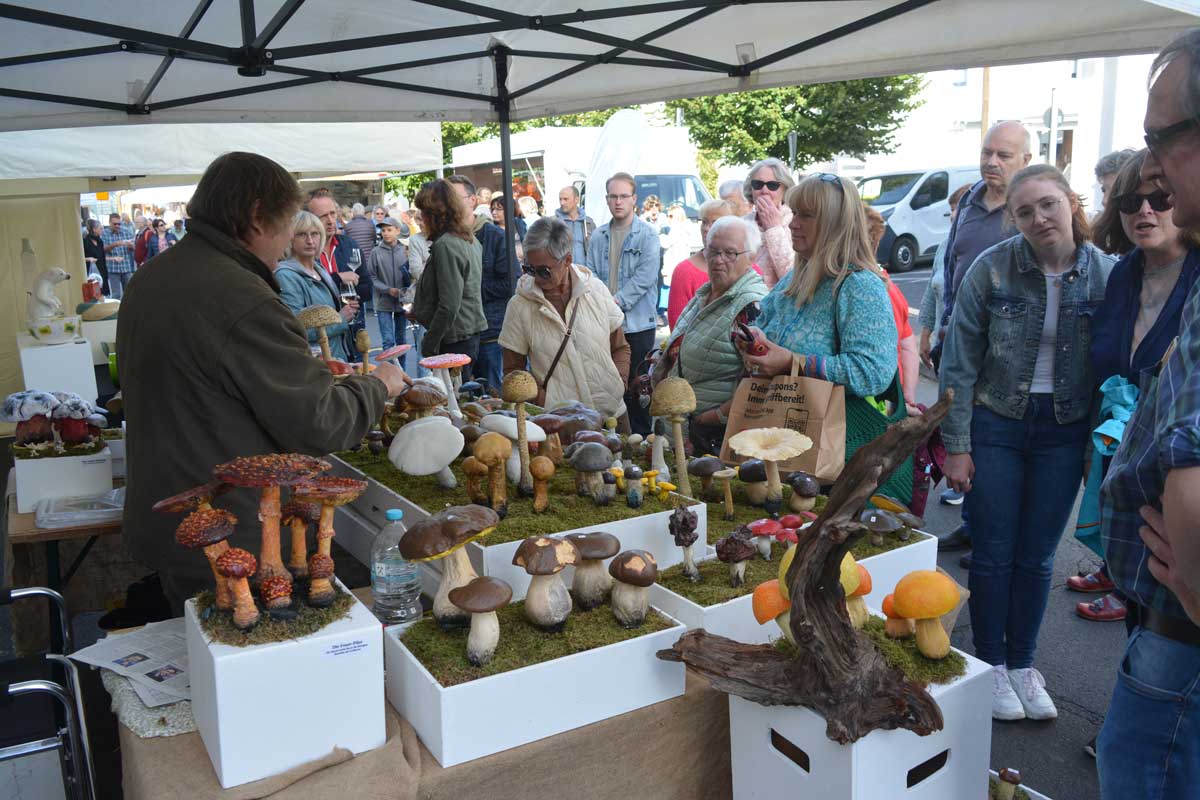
[771, 445]
[482, 597]
[427, 446]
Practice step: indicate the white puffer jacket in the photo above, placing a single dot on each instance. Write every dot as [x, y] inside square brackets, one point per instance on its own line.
[586, 372]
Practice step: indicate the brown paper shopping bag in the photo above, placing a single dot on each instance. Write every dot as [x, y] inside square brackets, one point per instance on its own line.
[810, 406]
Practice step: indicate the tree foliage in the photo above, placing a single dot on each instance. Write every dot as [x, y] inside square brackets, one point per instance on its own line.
[855, 118]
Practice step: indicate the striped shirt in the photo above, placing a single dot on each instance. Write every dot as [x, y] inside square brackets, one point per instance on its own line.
[120, 258]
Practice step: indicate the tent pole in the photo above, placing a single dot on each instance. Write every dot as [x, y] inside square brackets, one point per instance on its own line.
[503, 111]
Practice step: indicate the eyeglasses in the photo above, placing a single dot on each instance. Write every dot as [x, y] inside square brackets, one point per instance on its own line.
[713, 254]
[1131, 202]
[620, 197]
[1156, 140]
[772, 185]
[1046, 206]
[538, 272]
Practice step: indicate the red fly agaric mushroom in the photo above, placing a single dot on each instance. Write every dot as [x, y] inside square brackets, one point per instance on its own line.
[392, 354]
[592, 581]
[441, 366]
[547, 602]
[482, 597]
[330, 491]
[764, 531]
[925, 595]
[772, 445]
[674, 399]
[195, 499]
[856, 607]
[492, 450]
[804, 491]
[896, 627]
[319, 317]
[735, 550]
[31, 411]
[518, 388]
[276, 592]
[298, 516]
[682, 526]
[236, 566]
[444, 536]
[209, 529]
[269, 472]
[542, 470]
[634, 571]
[320, 588]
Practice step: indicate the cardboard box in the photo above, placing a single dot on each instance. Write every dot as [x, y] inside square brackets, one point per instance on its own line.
[64, 476]
[264, 709]
[782, 751]
[485, 716]
[58, 367]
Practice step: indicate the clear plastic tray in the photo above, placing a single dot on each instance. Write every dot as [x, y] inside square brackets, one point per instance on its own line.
[71, 512]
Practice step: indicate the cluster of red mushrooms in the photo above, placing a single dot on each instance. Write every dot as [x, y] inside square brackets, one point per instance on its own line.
[314, 496]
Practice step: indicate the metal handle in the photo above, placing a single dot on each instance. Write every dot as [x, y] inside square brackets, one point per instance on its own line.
[57, 600]
[82, 780]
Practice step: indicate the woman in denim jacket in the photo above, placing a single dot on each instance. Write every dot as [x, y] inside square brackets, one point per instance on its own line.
[1016, 357]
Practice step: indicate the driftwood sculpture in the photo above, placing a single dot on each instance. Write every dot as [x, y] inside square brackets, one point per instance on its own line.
[836, 671]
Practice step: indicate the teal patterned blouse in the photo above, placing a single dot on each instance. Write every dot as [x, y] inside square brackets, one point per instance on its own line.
[866, 362]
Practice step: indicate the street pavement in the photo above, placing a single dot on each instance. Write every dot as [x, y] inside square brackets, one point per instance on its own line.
[1078, 658]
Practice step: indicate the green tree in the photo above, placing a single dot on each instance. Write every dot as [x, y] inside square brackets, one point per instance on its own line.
[852, 117]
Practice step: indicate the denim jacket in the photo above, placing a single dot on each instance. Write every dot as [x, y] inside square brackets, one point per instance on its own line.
[992, 344]
[637, 274]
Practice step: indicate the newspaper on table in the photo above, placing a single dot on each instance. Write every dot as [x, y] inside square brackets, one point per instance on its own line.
[154, 658]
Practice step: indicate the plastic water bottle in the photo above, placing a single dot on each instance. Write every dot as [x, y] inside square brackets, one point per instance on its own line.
[395, 583]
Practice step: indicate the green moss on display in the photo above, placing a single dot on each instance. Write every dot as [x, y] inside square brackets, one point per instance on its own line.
[713, 588]
[903, 655]
[57, 450]
[743, 512]
[444, 653]
[219, 625]
[864, 549]
[112, 433]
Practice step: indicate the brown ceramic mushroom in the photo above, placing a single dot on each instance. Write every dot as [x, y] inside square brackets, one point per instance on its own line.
[879, 523]
[237, 566]
[547, 602]
[674, 399]
[209, 528]
[542, 470]
[550, 424]
[482, 597]
[422, 398]
[518, 388]
[804, 491]
[320, 317]
[735, 550]
[592, 581]
[705, 468]
[1010, 779]
[475, 471]
[320, 588]
[633, 571]
[444, 536]
[198, 498]
[276, 592]
[298, 516]
[492, 450]
[269, 472]
[330, 491]
[362, 343]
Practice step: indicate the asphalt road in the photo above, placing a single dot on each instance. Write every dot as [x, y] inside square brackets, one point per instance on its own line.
[1078, 658]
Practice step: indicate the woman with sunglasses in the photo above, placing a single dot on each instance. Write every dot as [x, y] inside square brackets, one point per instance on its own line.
[566, 325]
[160, 240]
[1016, 358]
[765, 186]
[1140, 316]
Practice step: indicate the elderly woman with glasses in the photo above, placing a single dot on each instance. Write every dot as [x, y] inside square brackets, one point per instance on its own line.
[566, 325]
[765, 186]
[700, 348]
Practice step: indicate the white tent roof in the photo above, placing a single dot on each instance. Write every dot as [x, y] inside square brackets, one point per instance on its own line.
[69, 63]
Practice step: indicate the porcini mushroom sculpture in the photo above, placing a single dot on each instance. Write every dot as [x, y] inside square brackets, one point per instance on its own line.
[896, 626]
[502, 423]
[547, 602]
[804, 491]
[320, 317]
[268, 473]
[441, 366]
[856, 606]
[320, 587]
[590, 460]
[427, 446]
[924, 596]
[674, 399]
[422, 398]
[592, 581]
[476, 473]
[726, 476]
[879, 523]
[31, 411]
[764, 530]
[237, 566]
[634, 571]
[705, 468]
[772, 445]
[682, 525]
[541, 469]
[208, 529]
[1010, 779]
[444, 536]
[330, 492]
[482, 598]
[518, 388]
[298, 516]
[492, 450]
[753, 474]
[768, 603]
[735, 550]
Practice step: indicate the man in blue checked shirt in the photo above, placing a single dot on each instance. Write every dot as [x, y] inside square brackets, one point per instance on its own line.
[1150, 499]
[118, 255]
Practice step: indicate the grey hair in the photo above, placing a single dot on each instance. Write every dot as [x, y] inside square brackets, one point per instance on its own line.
[709, 206]
[358, 210]
[731, 186]
[1111, 164]
[782, 174]
[552, 235]
[1187, 46]
[307, 221]
[1028, 137]
[753, 238]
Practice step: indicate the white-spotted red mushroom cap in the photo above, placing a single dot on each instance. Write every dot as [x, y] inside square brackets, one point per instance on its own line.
[393, 352]
[445, 361]
[271, 469]
[24, 406]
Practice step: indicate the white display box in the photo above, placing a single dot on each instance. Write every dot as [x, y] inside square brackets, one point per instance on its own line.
[485, 716]
[734, 619]
[97, 334]
[58, 367]
[782, 751]
[117, 447]
[64, 476]
[1032, 794]
[265, 709]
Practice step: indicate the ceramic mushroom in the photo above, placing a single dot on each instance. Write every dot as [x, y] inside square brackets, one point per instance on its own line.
[726, 476]
[518, 388]
[276, 593]
[441, 366]
[298, 516]
[682, 526]
[735, 550]
[804, 491]
[502, 423]
[362, 343]
[422, 398]
[443, 536]
[547, 602]
[772, 445]
[658, 458]
[208, 529]
[70, 418]
[476, 473]
[195, 499]
[633, 486]
[768, 603]
[753, 474]
[629, 449]
[427, 446]
[268, 473]
[633, 572]
[879, 523]
[330, 492]
[896, 626]
[608, 487]
[764, 531]
[482, 598]
[910, 522]
[1009, 780]
[856, 606]
[320, 317]
[924, 596]
[31, 411]
[592, 582]
[541, 469]
[705, 468]
[237, 566]
[320, 587]
[674, 399]
[492, 450]
[551, 448]
[590, 460]
[392, 354]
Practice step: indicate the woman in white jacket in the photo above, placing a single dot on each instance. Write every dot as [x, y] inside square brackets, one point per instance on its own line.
[555, 297]
[765, 186]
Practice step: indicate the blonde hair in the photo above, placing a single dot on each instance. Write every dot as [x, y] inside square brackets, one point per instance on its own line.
[677, 214]
[841, 244]
[303, 222]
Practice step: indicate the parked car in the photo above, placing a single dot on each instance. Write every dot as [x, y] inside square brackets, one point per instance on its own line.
[914, 205]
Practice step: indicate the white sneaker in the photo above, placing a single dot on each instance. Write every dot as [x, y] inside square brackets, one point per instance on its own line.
[1005, 703]
[1030, 688]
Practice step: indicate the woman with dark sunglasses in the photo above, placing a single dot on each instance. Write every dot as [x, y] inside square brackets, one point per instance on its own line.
[766, 184]
[160, 240]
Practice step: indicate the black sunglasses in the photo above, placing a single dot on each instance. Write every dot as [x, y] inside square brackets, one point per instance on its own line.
[772, 185]
[1156, 139]
[1131, 202]
[828, 177]
[538, 272]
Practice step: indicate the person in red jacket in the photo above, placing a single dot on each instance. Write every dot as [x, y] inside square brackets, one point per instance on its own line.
[141, 242]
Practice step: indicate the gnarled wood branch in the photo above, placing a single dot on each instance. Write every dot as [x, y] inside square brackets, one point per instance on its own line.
[837, 671]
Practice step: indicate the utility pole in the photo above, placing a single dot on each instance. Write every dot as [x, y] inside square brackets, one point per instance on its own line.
[984, 111]
[1052, 144]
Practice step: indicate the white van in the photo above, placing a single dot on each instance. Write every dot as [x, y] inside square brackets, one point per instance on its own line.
[914, 205]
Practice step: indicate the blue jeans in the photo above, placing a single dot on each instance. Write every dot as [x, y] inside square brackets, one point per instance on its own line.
[1027, 475]
[391, 323]
[1149, 747]
[413, 357]
[488, 367]
[118, 282]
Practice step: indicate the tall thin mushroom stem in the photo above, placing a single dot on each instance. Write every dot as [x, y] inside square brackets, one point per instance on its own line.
[451, 395]
[270, 559]
[323, 340]
[681, 473]
[774, 499]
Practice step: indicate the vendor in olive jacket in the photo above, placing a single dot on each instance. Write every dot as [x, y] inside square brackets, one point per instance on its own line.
[213, 366]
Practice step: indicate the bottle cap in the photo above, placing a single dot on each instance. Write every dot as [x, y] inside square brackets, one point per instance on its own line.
[394, 514]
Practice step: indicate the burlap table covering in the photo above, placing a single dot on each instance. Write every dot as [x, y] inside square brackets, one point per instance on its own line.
[675, 749]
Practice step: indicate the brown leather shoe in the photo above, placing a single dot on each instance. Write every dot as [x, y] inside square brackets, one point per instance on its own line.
[1103, 609]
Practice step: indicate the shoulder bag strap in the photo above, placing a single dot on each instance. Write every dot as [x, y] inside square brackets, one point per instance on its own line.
[562, 347]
